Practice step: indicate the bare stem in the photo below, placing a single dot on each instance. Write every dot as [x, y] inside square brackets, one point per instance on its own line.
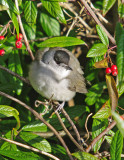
[23, 32]
[67, 132]
[30, 148]
[72, 124]
[100, 136]
[41, 119]
[97, 20]
[15, 74]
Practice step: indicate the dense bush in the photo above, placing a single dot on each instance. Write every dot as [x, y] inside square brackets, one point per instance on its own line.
[94, 32]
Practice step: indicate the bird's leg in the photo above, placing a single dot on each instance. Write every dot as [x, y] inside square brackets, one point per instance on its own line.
[59, 107]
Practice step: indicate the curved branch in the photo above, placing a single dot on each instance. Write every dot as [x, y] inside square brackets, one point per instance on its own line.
[30, 148]
[97, 20]
[23, 32]
[41, 119]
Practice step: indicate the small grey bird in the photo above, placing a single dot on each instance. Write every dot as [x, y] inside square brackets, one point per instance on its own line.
[56, 73]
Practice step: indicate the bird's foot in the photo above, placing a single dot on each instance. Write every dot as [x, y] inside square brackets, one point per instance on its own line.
[59, 107]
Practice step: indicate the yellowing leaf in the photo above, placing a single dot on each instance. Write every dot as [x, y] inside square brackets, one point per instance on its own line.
[113, 93]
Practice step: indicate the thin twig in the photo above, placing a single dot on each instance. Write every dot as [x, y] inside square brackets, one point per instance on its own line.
[30, 148]
[67, 132]
[97, 20]
[65, 5]
[23, 32]
[100, 136]
[15, 74]
[86, 125]
[72, 124]
[5, 28]
[41, 119]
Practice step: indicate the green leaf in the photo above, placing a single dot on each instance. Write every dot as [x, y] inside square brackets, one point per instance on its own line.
[35, 126]
[116, 146]
[61, 42]
[9, 5]
[120, 56]
[104, 112]
[54, 9]
[7, 111]
[2, 7]
[97, 127]
[30, 31]
[121, 10]
[14, 64]
[36, 141]
[50, 25]
[102, 35]
[119, 121]
[84, 156]
[19, 155]
[94, 93]
[30, 12]
[107, 5]
[13, 17]
[98, 49]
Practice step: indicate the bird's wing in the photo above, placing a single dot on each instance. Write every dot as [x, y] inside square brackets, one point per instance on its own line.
[77, 83]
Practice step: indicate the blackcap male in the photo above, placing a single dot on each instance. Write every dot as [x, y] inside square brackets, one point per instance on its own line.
[56, 73]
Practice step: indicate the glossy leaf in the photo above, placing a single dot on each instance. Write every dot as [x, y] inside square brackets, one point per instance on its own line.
[36, 141]
[116, 146]
[61, 42]
[94, 93]
[54, 9]
[14, 65]
[7, 111]
[84, 156]
[107, 5]
[30, 12]
[121, 10]
[8, 4]
[13, 17]
[104, 112]
[35, 126]
[119, 121]
[102, 35]
[96, 50]
[20, 155]
[49, 24]
[97, 127]
[112, 90]
[120, 56]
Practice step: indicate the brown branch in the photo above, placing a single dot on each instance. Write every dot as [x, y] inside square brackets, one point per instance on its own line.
[72, 124]
[41, 119]
[97, 20]
[15, 74]
[100, 136]
[23, 32]
[67, 132]
[30, 148]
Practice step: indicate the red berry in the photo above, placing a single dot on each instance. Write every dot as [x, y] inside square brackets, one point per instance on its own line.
[19, 37]
[2, 37]
[114, 68]
[114, 73]
[2, 52]
[108, 70]
[18, 44]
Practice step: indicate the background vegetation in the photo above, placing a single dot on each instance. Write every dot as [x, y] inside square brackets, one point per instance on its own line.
[94, 127]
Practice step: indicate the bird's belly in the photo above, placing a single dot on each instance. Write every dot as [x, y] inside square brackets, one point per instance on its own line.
[56, 90]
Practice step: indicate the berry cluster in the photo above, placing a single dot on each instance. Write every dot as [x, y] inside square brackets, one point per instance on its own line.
[18, 43]
[112, 70]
